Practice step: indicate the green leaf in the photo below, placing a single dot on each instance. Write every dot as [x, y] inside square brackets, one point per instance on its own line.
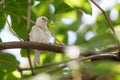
[83, 5]
[80, 39]
[23, 52]
[100, 41]
[2, 74]
[10, 76]
[63, 7]
[19, 4]
[109, 68]
[56, 2]
[8, 62]
[101, 25]
[47, 57]
[2, 16]
[42, 9]
[0, 40]
[2, 21]
[17, 9]
[75, 26]
[19, 26]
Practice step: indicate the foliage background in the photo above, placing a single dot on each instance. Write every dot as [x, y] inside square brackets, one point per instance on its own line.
[68, 22]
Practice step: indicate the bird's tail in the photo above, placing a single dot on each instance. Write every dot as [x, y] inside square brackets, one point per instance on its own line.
[37, 56]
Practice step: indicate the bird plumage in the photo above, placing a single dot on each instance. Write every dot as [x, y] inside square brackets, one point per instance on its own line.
[40, 33]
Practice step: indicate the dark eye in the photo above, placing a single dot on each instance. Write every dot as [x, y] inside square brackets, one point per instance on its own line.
[42, 18]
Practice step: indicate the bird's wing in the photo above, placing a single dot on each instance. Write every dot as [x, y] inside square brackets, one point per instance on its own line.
[36, 34]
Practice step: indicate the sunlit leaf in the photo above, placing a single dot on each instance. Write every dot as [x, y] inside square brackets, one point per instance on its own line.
[10, 76]
[42, 9]
[63, 7]
[9, 60]
[79, 4]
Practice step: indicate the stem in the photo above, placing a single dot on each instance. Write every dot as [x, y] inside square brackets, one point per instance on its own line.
[11, 29]
[28, 30]
[20, 70]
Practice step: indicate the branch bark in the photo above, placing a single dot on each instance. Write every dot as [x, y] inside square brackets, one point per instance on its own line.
[28, 30]
[47, 47]
[32, 45]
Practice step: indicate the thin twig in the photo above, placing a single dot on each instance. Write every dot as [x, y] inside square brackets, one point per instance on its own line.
[106, 17]
[20, 70]
[56, 69]
[47, 65]
[109, 22]
[109, 49]
[29, 18]
[28, 30]
[11, 29]
[33, 22]
[42, 66]
[97, 56]
[58, 40]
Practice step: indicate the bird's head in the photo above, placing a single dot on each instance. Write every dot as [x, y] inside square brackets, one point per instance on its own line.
[42, 21]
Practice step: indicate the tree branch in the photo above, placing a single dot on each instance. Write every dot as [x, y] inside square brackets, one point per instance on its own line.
[32, 45]
[56, 48]
[47, 47]
[95, 57]
[28, 30]
[112, 56]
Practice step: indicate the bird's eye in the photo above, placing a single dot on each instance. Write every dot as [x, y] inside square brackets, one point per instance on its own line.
[42, 18]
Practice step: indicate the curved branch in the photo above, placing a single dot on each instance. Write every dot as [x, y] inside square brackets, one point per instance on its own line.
[32, 45]
[47, 47]
[94, 57]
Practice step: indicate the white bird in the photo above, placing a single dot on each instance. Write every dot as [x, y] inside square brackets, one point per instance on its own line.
[40, 33]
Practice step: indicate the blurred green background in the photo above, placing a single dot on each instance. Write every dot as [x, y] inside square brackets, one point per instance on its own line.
[74, 22]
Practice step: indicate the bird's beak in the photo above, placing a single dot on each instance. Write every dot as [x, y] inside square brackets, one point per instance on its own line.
[45, 20]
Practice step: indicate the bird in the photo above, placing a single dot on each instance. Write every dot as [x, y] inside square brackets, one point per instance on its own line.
[40, 33]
